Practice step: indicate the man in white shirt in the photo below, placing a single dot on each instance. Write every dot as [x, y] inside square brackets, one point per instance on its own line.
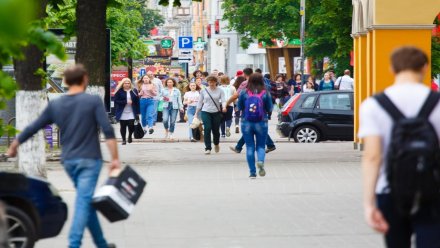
[408, 94]
[159, 87]
[344, 82]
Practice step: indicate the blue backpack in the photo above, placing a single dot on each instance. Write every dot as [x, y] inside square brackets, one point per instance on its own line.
[254, 107]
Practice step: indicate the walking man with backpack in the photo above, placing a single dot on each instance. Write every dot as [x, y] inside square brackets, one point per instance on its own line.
[401, 163]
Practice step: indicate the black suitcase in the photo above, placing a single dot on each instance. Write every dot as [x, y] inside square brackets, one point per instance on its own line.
[118, 196]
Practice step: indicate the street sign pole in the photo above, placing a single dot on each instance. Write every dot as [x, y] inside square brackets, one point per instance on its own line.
[303, 26]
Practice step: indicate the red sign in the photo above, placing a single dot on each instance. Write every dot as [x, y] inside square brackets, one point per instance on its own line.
[208, 31]
[116, 77]
[217, 26]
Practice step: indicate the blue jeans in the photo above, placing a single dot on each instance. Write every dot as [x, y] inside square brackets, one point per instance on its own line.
[84, 174]
[156, 105]
[425, 225]
[148, 111]
[241, 142]
[255, 134]
[190, 112]
[226, 120]
[169, 118]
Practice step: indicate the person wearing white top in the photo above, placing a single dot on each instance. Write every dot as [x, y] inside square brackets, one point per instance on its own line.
[159, 87]
[345, 82]
[191, 99]
[309, 86]
[229, 91]
[408, 94]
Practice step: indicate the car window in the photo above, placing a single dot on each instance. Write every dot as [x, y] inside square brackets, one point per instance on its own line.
[309, 103]
[335, 101]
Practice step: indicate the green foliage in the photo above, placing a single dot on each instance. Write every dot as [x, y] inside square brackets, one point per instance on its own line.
[152, 18]
[176, 3]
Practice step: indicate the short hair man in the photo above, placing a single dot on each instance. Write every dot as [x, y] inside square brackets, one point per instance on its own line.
[78, 114]
[344, 82]
[408, 94]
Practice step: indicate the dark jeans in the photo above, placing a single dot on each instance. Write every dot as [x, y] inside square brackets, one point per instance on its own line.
[226, 120]
[237, 117]
[425, 225]
[124, 125]
[211, 123]
[241, 142]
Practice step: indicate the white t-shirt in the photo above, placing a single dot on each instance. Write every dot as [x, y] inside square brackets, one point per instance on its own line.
[345, 82]
[192, 96]
[375, 121]
[127, 113]
[159, 87]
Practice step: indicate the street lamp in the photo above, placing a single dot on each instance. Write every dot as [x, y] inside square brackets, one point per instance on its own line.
[302, 12]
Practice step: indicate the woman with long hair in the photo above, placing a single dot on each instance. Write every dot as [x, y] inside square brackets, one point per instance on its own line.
[147, 92]
[191, 99]
[172, 104]
[229, 91]
[310, 85]
[210, 105]
[327, 83]
[126, 108]
[255, 103]
[238, 81]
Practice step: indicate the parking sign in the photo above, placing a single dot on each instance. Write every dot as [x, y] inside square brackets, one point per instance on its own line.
[185, 42]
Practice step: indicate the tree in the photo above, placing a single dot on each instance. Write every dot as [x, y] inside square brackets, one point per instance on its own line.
[176, 3]
[152, 18]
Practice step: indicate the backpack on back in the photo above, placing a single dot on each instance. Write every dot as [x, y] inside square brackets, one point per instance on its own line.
[254, 107]
[413, 158]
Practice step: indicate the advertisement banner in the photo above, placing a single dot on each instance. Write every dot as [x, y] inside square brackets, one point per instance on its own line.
[116, 77]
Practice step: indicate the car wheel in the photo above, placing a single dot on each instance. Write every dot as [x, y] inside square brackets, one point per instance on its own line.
[306, 134]
[21, 229]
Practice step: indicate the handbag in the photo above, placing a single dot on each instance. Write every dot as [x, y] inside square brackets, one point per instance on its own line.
[195, 123]
[138, 130]
[219, 109]
[160, 106]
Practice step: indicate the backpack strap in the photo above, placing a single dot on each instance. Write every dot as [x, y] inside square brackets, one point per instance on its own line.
[385, 102]
[429, 105]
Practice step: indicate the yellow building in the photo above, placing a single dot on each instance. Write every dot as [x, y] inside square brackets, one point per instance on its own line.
[379, 27]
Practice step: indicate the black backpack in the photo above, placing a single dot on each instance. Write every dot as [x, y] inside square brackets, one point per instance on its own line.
[413, 158]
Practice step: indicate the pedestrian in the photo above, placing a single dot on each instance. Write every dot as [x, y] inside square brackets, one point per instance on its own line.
[182, 85]
[241, 142]
[400, 131]
[78, 115]
[238, 81]
[196, 74]
[172, 104]
[310, 85]
[280, 91]
[226, 123]
[344, 82]
[239, 73]
[159, 86]
[210, 106]
[327, 83]
[126, 108]
[295, 84]
[191, 99]
[204, 77]
[147, 93]
[255, 103]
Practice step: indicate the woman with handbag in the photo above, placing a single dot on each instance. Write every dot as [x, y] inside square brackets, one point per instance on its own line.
[191, 99]
[172, 104]
[147, 93]
[126, 108]
[210, 106]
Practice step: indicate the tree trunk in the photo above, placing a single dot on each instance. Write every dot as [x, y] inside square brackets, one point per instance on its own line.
[30, 101]
[91, 39]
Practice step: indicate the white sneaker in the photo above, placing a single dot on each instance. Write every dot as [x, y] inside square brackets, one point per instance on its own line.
[167, 134]
[171, 136]
[228, 132]
[207, 152]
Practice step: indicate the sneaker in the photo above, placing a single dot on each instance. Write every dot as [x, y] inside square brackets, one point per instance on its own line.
[207, 152]
[217, 148]
[234, 149]
[228, 132]
[223, 136]
[261, 170]
[124, 143]
[151, 131]
[270, 149]
[171, 136]
[110, 245]
[193, 140]
[167, 135]
[129, 140]
[237, 129]
[253, 176]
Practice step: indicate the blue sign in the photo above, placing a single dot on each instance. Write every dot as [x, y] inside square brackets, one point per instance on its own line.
[186, 42]
[142, 72]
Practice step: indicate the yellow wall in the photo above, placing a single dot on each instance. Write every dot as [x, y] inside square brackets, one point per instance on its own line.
[407, 12]
[384, 43]
[356, 77]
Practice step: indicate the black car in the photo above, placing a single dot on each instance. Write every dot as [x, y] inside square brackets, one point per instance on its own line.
[34, 209]
[317, 116]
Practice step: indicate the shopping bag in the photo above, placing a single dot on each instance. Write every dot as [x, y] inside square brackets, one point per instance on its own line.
[118, 196]
[138, 130]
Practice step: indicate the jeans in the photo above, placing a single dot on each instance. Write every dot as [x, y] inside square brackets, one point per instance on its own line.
[148, 110]
[84, 174]
[241, 142]
[425, 225]
[211, 123]
[237, 117]
[255, 134]
[169, 118]
[227, 119]
[190, 112]
[155, 112]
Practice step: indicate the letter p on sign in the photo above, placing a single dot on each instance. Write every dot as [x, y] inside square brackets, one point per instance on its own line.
[185, 42]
